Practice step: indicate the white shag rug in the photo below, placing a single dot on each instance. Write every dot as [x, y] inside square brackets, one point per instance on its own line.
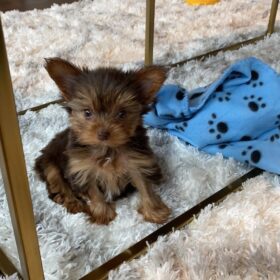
[90, 33]
[236, 240]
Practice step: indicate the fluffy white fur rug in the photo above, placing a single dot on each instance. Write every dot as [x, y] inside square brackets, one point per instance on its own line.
[239, 239]
[90, 33]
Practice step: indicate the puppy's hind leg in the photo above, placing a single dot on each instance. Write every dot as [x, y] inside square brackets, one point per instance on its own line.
[60, 192]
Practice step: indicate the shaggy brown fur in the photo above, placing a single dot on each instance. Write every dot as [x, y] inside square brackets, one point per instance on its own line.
[105, 149]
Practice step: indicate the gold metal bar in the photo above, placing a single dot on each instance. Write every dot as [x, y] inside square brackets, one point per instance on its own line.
[149, 39]
[40, 107]
[272, 17]
[14, 174]
[212, 53]
[6, 266]
[140, 247]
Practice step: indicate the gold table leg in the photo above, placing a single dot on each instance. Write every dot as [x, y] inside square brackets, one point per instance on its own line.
[149, 39]
[14, 174]
[272, 17]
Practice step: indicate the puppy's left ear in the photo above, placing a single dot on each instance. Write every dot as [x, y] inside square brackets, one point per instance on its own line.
[149, 80]
[64, 74]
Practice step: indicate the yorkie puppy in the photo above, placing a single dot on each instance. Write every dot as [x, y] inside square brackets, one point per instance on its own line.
[105, 148]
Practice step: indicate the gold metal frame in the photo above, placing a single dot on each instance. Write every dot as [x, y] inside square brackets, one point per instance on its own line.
[13, 169]
[149, 35]
[15, 177]
[150, 18]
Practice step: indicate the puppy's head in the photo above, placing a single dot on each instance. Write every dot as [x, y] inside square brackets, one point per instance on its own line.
[106, 105]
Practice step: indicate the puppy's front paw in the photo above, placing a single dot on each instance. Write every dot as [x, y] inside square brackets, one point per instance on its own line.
[75, 206]
[103, 213]
[157, 213]
[72, 204]
[57, 198]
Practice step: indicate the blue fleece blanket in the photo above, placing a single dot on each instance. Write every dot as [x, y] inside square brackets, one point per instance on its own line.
[238, 115]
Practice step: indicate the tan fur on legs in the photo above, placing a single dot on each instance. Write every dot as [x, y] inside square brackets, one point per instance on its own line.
[152, 207]
[61, 193]
[155, 212]
[103, 213]
[100, 211]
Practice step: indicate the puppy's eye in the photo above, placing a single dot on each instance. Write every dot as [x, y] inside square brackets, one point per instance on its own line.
[88, 114]
[121, 114]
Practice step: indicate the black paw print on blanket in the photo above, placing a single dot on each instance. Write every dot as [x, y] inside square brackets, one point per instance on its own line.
[223, 146]
[276, 136]
[181, 127]
[254, 103]
[224, 96]
[255, 79]
[180, 95]
[252, 155]
[216, 127]
[220, 95]
[277, 122]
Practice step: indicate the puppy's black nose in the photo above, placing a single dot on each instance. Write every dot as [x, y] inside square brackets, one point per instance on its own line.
[103, 134]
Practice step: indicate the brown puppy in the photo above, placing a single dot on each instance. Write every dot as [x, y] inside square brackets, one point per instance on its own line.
[106, 147]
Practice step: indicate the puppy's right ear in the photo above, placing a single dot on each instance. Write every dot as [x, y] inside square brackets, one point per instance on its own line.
[64, 74]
